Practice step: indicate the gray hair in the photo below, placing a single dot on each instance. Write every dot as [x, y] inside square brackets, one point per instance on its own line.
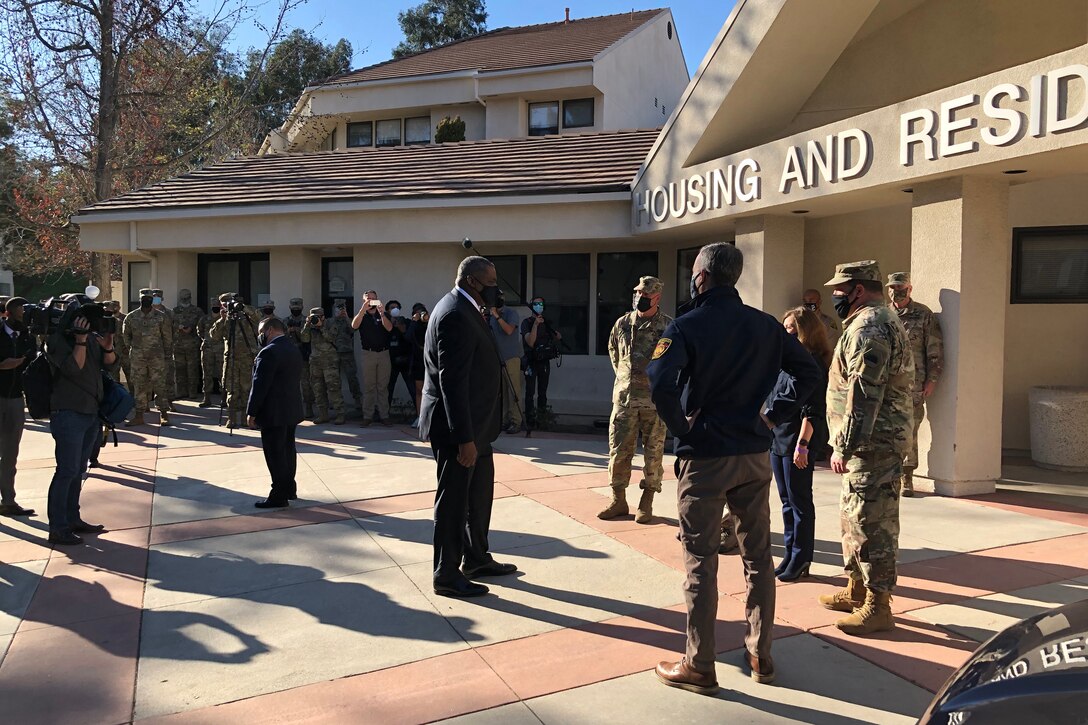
[723, 262]
[472, 267]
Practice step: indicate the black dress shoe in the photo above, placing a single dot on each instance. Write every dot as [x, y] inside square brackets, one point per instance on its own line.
[14, 509]
[463, 588]
[293, 497]
[82, 527]
[65, 539]
[270, 504]
[492, 569]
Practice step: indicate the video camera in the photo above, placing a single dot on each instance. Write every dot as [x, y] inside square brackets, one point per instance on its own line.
[235, 308]
[58, 314]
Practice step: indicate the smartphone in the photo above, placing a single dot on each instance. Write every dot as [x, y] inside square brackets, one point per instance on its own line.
[375, 303]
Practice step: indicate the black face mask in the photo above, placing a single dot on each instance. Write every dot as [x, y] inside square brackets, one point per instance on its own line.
[694, 287]
[644, 304]
[843, 305]
[145, 303]
[268, 311]
[296, 312]
[490, 294]
[501, 301]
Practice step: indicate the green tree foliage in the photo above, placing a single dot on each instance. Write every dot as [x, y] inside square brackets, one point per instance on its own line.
[450, 130]
[298, 61]
[436, 22]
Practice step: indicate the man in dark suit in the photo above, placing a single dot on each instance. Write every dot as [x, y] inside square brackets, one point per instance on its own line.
[460, 415]
[275, 405]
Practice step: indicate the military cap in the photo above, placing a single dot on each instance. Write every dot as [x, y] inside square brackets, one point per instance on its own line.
[649, 286]
[898, 278]
[296, 302]
[145, 292]
[317, 311]
[339, 302]
[185, 294]
[157, 292]
[269, 303]
[112, 305]
[226, 297]
[865, 270]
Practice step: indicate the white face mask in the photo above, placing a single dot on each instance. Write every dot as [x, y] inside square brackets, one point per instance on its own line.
[395, 312]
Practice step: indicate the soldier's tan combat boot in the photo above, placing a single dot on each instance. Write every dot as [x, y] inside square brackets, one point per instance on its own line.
[164, 419]
[322, 416]
[875, 615]
[906, 484]
[846, 599]
[340, 420]
[645, 513]
[137, 419]
[206, 402]
[618, 507]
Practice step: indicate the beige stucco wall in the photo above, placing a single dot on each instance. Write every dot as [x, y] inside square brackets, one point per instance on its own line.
[642, 77]
[881, 234]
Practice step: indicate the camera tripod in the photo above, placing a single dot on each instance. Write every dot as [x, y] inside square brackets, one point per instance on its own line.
[229, 367]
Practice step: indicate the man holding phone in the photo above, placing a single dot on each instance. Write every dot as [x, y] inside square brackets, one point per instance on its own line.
[374, 328]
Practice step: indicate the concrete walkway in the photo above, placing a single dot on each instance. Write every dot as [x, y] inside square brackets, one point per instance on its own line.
[196, 608]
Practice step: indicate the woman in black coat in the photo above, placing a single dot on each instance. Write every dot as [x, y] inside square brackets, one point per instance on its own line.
[798, 444]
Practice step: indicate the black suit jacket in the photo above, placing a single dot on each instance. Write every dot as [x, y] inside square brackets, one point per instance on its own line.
[461, 387]
[276, 397]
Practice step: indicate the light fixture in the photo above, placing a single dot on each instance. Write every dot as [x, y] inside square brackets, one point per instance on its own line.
[1015, 171]
[92, 292]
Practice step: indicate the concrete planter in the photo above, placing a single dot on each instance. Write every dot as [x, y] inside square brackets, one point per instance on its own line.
[1059, 427]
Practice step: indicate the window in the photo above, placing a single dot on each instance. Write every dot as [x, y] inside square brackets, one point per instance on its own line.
[247, 274]
[563, 281]
[139, 276]
[617, 277]
[360, 134]
[685, 260]
[338, 283]
[543, 118]
[578, 114]
[511, 273]
[1050, 265]
[417, 130]
[389, 132]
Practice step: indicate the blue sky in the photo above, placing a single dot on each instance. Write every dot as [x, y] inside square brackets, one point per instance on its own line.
[371, 25]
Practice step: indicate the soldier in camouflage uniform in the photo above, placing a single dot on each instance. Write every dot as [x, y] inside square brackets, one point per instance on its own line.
[295, 323]
[345, 348]
[119, 345]
[630, 347]
[238, 355]
[927, 346]
[168, 360]
[211, 352]
[146, 333]
[187, 317]
[324, 367]
[869, 415]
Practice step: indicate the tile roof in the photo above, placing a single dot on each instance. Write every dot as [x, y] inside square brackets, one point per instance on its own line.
[582, 163]
[509, 48]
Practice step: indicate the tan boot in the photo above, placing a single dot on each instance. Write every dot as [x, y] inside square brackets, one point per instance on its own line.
[645, 513]
[618, 507]
[164, 419]
[875, 615]
[322, 416]
[847, 599]
[906, 484]
[340, 420]
[137, 419]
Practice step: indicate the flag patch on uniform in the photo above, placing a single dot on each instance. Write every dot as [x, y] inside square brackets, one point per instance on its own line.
[662, 347]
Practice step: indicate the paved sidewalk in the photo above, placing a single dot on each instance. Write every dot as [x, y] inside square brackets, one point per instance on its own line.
[196, 608]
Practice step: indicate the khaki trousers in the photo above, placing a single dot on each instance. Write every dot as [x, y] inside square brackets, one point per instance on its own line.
[705, 486]
[376, 371]
[510, 411]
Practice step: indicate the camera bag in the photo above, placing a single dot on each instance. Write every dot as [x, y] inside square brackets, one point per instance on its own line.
[116, 404]
[38, 386]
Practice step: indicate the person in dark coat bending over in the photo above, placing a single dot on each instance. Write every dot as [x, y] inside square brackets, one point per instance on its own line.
[460, 415]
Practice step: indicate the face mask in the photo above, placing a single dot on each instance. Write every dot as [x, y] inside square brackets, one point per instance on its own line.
[183, 303]
[394, 312]
[694, 287]
[810, 306]
[296, 312]
[842, 306]
[215, 310]
[267, 310]
[145, 303]
[262, 340]
[899, 295]
[643, 304]
[156, 300]
[538, 307]
[502, 299]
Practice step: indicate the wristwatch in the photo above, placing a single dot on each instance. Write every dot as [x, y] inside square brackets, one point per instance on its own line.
[802, 442]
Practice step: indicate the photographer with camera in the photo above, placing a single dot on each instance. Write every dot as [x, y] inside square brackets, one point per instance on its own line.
[236, 329]
[17, 348]
[77, 357]
[540, 349]
[149, 340]
[324, 367]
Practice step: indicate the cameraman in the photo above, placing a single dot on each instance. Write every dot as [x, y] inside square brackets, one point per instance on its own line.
[540, 349]
[17, 348]
[77, 357]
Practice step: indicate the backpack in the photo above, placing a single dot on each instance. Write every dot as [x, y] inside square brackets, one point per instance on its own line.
[116, 404]
[38, 386]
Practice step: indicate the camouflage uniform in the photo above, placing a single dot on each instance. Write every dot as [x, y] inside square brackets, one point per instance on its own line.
[237, 358]
[187, 317]
[168, 358]
[630, 348]
[345, 349]
[324, 369]
[869, 414]
[120, 346]
[927, 347]
[294, 324]
[211, 353]
[147, 335]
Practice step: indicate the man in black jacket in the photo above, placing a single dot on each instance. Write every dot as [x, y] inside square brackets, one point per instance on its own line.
[710, 375]
[275, 406]
[17, 349]
[460, 416]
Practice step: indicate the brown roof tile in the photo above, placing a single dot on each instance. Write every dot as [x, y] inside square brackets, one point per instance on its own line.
[508, 48]
[583, 163]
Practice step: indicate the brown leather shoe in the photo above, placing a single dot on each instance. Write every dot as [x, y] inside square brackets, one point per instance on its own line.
[679, 674]
[762, 668]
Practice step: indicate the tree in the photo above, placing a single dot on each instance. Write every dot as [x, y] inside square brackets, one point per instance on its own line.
[298, 61]
[436, 22]
[450, 130]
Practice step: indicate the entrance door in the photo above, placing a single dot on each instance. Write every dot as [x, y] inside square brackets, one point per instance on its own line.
[246, 274]
[338, 282]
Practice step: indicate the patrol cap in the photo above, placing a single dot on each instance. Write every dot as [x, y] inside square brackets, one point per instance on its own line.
[649, 286]
[898, 278]
[317, 311]
[296, 302]
[269, 303]
[339, 302]
[157, 292]
[865, 270]
[185, 294]
[226, 297]
[145, 292]
[110, 305]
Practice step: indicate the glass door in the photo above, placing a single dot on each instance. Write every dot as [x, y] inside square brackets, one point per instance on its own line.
[247, 274]
[338, 283]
